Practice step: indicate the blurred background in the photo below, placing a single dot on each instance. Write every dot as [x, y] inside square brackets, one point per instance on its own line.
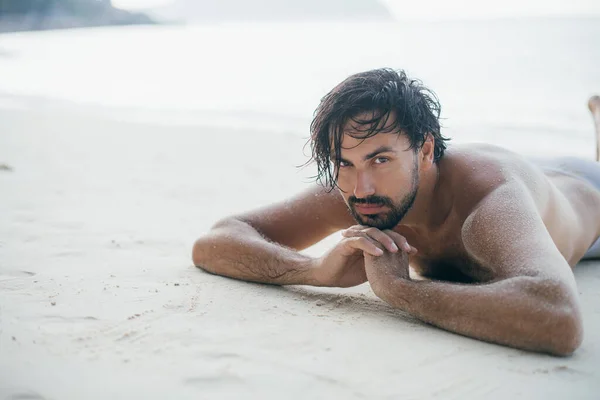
[158, 87]
[128, 127]
[51, 14]
[268, 62]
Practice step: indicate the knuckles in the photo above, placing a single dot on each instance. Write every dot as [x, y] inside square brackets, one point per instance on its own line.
[371, 233]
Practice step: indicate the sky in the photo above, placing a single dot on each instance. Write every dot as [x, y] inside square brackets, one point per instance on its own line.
[450, 9]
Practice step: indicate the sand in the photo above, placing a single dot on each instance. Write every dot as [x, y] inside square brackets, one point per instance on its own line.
[99, 298]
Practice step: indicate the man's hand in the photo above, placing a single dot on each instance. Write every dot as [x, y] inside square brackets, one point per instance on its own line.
[344, 264]
[383, 269]
[390, 240]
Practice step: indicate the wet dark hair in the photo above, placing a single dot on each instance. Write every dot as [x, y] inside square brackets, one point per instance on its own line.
[378, 93]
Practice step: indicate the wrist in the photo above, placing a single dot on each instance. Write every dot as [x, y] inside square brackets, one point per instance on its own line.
[396, 292]
[299, 270]
[315, 274]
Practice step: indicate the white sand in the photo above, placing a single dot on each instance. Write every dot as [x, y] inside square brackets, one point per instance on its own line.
[99, 299]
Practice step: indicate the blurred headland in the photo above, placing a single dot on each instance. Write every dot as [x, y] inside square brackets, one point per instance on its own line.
[210, 11]
[26, 15]
[34, 15]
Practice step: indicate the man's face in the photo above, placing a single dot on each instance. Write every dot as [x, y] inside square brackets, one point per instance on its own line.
[378, 178]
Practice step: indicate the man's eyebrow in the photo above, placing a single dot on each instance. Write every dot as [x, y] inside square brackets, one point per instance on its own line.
[380, 149]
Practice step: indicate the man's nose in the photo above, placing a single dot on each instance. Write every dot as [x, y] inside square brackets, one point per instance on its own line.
[364, 185]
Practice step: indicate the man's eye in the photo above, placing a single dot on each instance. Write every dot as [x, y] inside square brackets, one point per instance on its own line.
[381, 160]
[344, 164]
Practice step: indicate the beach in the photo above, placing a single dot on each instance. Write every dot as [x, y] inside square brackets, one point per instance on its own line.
[121, 146]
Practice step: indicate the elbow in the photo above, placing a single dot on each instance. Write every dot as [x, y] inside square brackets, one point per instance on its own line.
[556, 320]
[204, 250]
[563, 329]
[201, 255]
[197, 253]
[568, 334]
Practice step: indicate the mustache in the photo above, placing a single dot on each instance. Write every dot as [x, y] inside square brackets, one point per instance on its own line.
[377, 200]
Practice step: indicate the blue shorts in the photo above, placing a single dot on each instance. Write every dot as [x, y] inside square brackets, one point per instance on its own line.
[586, 169]
[594, 251]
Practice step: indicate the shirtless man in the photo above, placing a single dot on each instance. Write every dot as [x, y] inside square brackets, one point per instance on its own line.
[491, 236]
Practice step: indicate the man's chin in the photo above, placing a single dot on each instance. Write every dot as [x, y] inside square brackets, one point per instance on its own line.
[375, 221]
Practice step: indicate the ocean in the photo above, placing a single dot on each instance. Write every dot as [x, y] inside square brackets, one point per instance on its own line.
[516, 82]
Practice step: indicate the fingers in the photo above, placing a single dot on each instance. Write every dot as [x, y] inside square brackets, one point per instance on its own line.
[359, 230]
[400, 241]
[382, 238]
[392, 241]
[362, 243]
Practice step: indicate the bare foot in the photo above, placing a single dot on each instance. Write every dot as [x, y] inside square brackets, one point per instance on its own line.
[594, 106]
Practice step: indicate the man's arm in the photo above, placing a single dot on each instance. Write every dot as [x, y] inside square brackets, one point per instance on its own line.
[262, 246]
[235, 249]
[532, 304]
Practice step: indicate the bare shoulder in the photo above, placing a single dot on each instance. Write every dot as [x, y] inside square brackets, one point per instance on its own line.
[302, 220]
[502, 199]
[477, 170]
[506, 233]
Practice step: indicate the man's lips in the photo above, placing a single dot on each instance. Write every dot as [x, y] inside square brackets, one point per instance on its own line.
[368, 208]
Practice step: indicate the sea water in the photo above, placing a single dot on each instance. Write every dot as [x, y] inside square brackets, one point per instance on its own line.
[517, 82]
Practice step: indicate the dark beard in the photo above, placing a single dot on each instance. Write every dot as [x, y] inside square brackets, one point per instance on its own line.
[391, 218]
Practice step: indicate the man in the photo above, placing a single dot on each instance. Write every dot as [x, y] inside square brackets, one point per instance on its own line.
[493, 236]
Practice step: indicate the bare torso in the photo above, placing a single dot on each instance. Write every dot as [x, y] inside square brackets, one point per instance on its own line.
[568, 205]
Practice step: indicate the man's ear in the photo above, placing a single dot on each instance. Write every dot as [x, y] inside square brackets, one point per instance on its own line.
[427, 152]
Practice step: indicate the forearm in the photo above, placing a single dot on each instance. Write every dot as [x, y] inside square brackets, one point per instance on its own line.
[236, 250]
[521, 312]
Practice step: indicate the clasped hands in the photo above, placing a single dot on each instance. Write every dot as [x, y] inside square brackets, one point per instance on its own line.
[366, 254]
[388, 260]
